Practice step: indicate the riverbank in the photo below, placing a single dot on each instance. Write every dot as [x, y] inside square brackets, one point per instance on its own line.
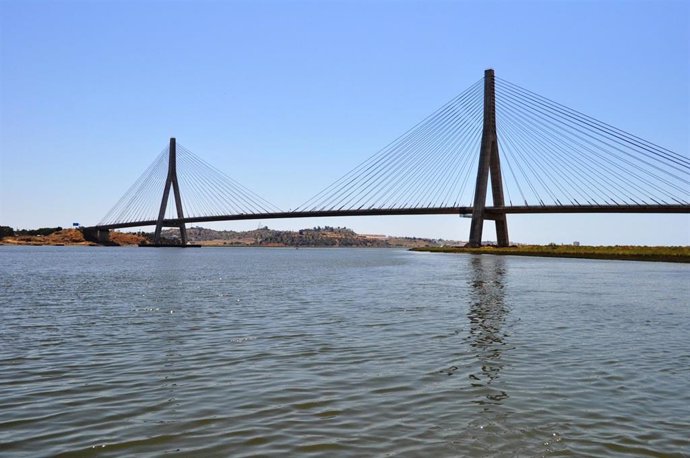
[70, 237]
[262, 237]
[625, 253]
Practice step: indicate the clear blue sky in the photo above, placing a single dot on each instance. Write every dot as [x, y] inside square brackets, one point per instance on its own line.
[286, 96]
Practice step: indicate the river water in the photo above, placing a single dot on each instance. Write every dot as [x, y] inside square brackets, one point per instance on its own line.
[340, 352]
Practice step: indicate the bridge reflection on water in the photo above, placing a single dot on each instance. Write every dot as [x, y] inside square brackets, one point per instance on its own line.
[487, 316]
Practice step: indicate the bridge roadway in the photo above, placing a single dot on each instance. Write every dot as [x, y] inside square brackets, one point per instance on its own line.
[489, 213]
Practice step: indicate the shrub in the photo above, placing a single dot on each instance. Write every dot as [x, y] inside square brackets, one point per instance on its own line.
[6, 231]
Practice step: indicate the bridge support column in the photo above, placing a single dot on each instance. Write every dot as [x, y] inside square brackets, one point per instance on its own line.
[489, 165]
[171, 181]
[101, 236]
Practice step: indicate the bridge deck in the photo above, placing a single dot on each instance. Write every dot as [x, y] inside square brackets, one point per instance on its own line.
[490, 212]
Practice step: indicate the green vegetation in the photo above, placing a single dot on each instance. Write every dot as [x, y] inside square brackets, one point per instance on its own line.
[6, 231]
[633, 253]
[33, 232]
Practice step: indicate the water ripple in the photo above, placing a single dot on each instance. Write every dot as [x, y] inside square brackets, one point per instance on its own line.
[243, 352]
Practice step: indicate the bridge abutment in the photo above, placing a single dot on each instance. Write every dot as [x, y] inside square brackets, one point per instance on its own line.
[95, 235]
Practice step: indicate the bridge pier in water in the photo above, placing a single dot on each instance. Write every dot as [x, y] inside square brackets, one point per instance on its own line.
[489, 164]
[171, 181]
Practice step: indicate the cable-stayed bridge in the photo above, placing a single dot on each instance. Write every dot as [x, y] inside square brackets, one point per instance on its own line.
[535, 155]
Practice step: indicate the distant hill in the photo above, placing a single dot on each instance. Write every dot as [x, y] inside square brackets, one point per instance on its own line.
[315, 237]
[326, 236]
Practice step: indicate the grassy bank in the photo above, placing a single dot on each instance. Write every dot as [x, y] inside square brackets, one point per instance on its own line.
[630, 253]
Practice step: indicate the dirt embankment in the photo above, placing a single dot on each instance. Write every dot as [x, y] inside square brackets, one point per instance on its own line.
[126, 238]
[63, 237]
[72, 237]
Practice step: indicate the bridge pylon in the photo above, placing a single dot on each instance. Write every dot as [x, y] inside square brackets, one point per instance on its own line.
[489, 165]
[171, 181]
